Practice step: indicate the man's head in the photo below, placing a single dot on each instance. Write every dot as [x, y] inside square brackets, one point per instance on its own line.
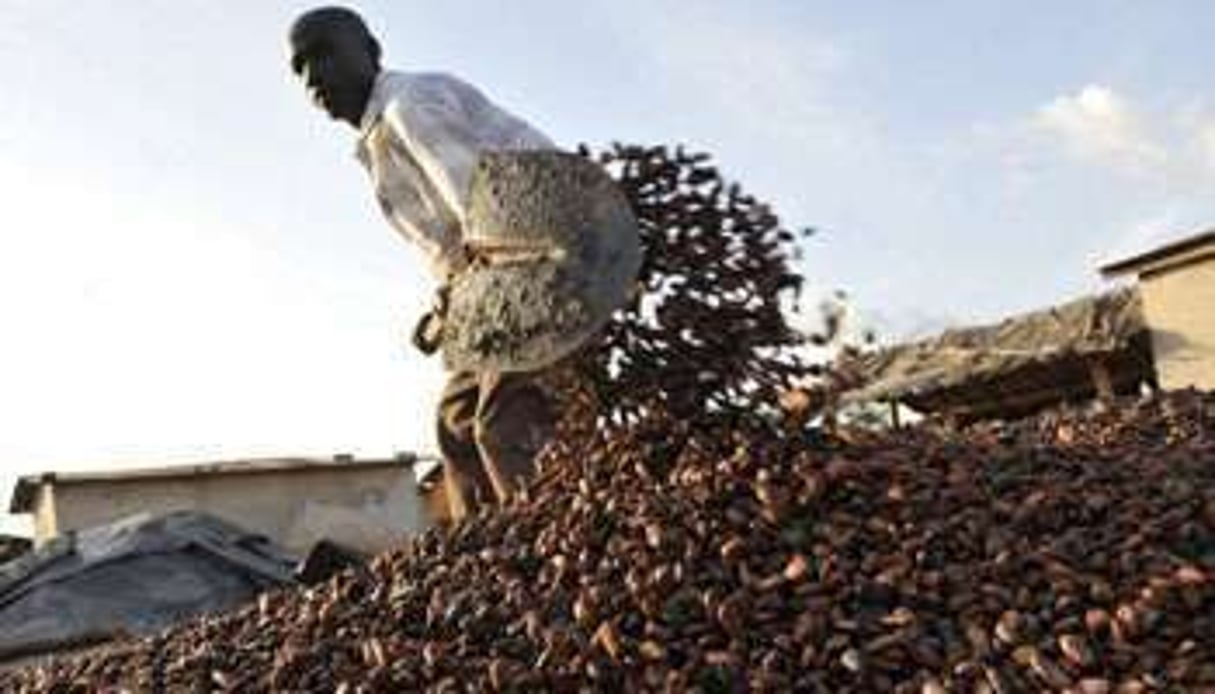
[337, 58]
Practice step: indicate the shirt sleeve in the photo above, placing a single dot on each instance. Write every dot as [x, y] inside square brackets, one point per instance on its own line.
[446, 124]
[414, 214]
[410, 202]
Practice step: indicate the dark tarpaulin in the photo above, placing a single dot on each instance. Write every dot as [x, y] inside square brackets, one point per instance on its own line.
[136, 575]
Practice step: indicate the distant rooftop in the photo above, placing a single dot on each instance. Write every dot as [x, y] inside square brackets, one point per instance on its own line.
[1183, 250]
[1017, 366]
[27, 486]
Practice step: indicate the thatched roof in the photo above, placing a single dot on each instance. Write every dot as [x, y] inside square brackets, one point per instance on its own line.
[1017, 365]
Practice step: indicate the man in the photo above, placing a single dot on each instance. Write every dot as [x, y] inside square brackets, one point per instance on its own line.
[420, 138]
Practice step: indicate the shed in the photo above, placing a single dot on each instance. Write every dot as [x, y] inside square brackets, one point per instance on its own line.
[1097, 346]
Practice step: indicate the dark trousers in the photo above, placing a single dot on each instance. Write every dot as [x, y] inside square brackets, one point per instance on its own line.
[491, 426]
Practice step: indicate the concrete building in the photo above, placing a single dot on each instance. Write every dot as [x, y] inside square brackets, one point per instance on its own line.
[1177, 283]
[365, 504]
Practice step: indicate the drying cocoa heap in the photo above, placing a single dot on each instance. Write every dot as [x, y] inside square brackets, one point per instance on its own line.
[695, 545]
[1009, 560]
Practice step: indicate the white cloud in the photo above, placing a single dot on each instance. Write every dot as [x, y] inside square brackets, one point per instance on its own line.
[1166, 144]
[1160, 152]
[771, 79]
[747, 82]
[1175, 221]
[1157, 157]
[1100, 125]
[1205, 136]
[1139, 236]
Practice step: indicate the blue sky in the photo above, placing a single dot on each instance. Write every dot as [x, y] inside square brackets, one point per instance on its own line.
[191, 265]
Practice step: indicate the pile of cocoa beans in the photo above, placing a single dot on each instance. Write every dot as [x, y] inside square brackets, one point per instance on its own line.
[1016, 558]
[681, 535]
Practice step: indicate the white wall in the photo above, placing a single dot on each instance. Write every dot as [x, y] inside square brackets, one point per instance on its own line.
[373, 506]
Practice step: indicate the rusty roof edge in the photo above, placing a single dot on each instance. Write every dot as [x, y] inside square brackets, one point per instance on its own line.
[1126, 265]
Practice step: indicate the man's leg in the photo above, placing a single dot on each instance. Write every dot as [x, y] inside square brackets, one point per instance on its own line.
[515, 418]
[464, 478]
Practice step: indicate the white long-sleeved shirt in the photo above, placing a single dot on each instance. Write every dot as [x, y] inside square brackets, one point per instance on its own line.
[421, 136]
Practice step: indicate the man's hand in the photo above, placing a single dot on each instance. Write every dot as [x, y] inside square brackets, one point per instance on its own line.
[428, 333]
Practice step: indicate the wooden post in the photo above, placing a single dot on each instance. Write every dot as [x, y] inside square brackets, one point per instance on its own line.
[953, 421]
[830, 422]
[1102, 380]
